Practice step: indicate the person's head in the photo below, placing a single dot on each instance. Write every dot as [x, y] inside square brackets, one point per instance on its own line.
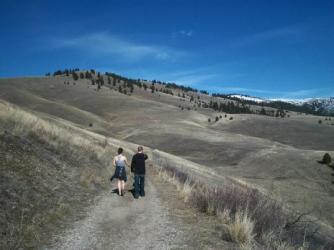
[140, 149]
[119, 151]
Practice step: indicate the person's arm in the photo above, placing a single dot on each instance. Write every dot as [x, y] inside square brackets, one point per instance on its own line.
[114, 161]
[133, 163]
[126, 161]
[145, 157]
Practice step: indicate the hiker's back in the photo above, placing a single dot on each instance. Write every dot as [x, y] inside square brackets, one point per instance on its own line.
[120, 161]
[138, 162]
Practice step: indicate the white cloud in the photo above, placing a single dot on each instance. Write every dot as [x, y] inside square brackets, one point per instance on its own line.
[279, 33]
[182, 34]
[192, 79]
[105, 44]
[186, 77]
[186, 32]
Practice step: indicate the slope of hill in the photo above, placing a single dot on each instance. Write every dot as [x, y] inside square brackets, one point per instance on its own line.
[265, 152]
[45, 178]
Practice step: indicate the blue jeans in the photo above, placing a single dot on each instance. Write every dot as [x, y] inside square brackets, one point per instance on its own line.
[139, 185]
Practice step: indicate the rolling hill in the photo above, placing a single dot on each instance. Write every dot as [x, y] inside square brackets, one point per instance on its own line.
[65, 131]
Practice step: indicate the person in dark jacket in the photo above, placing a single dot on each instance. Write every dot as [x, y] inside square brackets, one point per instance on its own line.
[139, 169]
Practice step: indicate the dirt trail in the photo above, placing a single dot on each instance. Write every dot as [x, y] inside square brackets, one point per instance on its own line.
[160, 220]
[124, 223]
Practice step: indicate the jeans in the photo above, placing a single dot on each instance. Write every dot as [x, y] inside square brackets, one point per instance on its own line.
[139, 185]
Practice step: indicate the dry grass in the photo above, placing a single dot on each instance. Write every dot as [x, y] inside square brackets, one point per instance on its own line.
[49, 168]
[24, 123]
[241, 229]
[251, 219]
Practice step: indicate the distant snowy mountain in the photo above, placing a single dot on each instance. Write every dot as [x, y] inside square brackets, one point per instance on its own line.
[321, 106]
[316, 104]
[248, 98]
[292, 101]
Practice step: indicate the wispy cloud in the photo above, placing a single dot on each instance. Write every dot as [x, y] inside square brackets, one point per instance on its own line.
[189, 77]
[192, 79]
[182, 33]
[187, 33]
[290, 32]
[106, 44]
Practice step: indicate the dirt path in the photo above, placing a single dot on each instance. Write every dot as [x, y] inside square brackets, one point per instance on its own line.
[158, 221]
[124, 223]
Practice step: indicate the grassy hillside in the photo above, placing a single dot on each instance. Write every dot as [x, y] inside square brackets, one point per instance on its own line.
[49, 169]
[271, 154]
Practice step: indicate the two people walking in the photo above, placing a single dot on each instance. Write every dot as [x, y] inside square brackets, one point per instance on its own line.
[137, 167]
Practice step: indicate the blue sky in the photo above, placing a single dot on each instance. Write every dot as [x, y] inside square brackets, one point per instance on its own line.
[260, 48]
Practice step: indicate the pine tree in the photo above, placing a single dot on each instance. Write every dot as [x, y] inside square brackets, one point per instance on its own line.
[326, 159]
[75, 76]
[88, 75]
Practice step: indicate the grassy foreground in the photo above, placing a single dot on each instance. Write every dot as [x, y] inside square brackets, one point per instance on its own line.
[49, 170]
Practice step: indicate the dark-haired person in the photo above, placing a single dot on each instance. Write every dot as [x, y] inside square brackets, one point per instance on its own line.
[120, 162]
[139, 170]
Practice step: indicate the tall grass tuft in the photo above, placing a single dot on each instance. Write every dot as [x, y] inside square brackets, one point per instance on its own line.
[241, 229]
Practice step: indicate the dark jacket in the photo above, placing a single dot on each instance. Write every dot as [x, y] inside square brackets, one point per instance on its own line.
[138, 163]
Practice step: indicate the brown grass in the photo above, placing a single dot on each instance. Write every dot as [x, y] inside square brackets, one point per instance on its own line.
[250, 218]
[49, 168]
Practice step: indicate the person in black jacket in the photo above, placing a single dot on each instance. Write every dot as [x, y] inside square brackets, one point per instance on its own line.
[139, 169]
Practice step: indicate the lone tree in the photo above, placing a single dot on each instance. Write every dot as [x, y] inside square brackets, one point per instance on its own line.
[217, 118]
[75, 76]
[326, 159]
[88, 75]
